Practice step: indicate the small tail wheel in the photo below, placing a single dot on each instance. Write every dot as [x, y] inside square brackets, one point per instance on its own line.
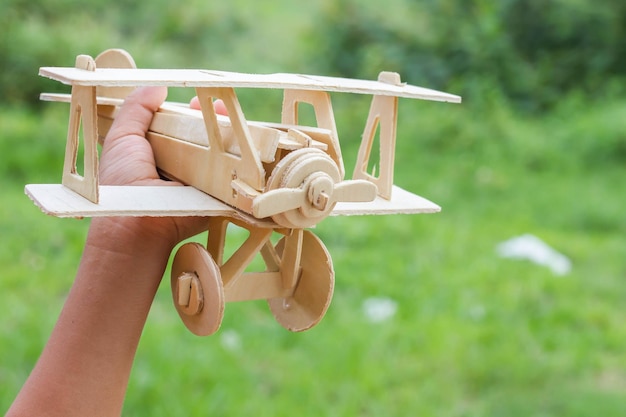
[197, 289]
[114, 58]
[314, 290]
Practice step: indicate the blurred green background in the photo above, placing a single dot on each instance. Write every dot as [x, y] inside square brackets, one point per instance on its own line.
[537, 147]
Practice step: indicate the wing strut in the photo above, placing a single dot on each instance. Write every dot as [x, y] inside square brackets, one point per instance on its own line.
[382, 118]
[83, 119]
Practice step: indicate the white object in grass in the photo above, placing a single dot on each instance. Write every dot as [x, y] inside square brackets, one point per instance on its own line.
[530, 247]
[379, 309]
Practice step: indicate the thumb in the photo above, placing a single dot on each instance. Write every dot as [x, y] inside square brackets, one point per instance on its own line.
[136, 113]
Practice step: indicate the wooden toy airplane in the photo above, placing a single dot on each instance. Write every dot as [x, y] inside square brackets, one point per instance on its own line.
[267, 178]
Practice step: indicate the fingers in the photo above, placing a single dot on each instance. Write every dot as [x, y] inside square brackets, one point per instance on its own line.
[195, 103]
[218, 105]
[136, 113]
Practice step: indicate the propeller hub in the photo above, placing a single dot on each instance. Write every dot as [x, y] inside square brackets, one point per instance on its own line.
[319, 190]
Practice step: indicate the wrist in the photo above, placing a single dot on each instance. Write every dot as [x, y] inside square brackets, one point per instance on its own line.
[132, 236]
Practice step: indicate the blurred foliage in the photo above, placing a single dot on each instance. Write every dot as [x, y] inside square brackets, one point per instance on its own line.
[530, 51]
[52, 33]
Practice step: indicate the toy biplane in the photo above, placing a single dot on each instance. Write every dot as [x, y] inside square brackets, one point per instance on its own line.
[268, 178]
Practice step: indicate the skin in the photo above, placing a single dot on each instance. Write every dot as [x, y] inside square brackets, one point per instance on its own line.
[85, 365]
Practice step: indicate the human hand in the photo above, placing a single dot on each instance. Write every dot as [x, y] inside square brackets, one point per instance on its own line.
[127, 159]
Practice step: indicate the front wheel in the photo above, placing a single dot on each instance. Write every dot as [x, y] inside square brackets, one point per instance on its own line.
[314, 290]
[197, 289]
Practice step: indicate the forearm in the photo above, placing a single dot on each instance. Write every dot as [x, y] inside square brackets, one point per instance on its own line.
[85, 366]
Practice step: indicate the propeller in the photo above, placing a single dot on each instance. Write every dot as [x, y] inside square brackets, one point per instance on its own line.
[317, 195]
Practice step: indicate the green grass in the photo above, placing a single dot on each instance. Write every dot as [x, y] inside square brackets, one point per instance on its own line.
[474, 335]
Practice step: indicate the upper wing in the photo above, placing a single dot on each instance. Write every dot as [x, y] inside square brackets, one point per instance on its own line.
[115, 77]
